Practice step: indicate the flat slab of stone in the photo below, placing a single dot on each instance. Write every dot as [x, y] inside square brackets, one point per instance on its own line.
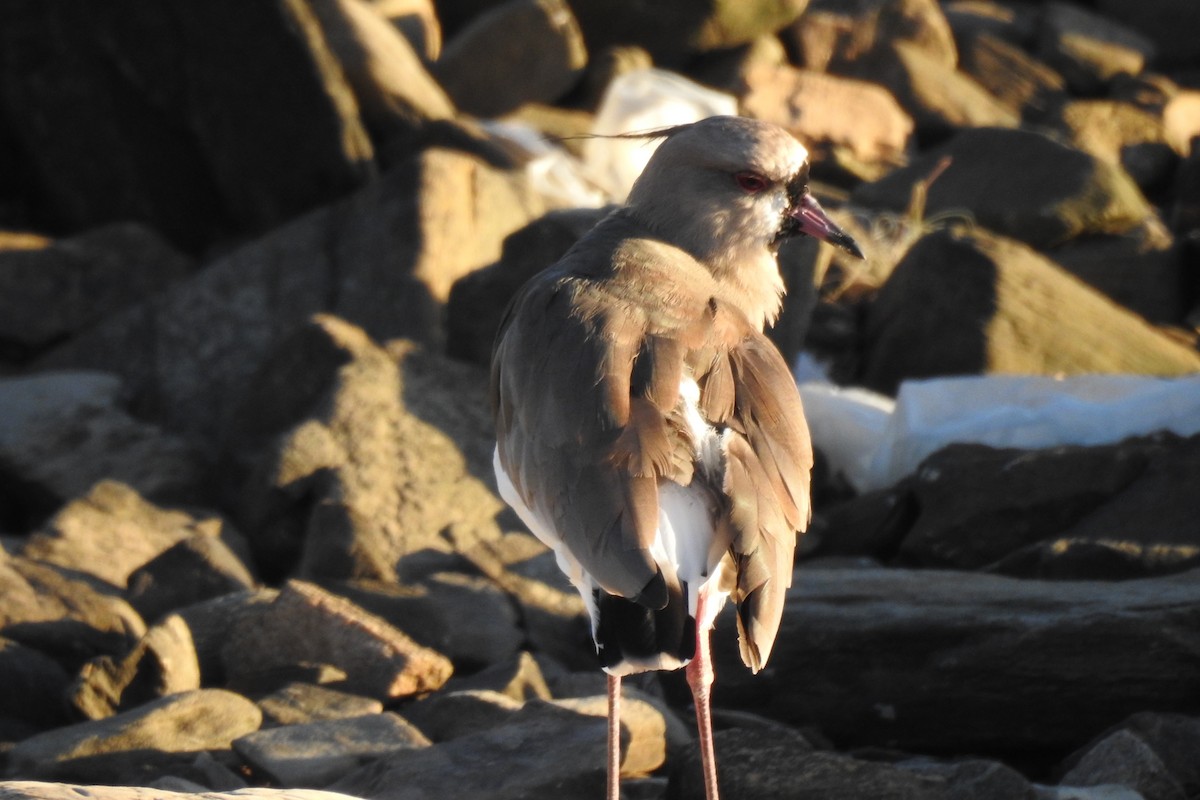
[936, 661]
[38, 790]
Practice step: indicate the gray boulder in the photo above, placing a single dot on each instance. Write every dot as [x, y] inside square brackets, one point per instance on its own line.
[1038, 190]
[199, 142]
[915, 659]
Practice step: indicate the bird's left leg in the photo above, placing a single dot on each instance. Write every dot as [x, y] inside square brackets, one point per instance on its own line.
[614, 737]
[700, 677]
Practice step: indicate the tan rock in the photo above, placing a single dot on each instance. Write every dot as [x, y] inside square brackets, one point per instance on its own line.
[829, 112]
[50, 289]
[417, 20]
[1039, 190]
[1121, 134]
[1089, 49]
[1181, 122]
[206, 719]
[61, 433]
[971, 302]
[835, 36]
[163, 663]
[367, 460]
[941, 99]
[36, 790]
[201, 143]
[673, 30]
[112, 531]
[396, 94]
[384, 259]
[1022, 83]
[71, 613]
[306, 624]
[490, 69]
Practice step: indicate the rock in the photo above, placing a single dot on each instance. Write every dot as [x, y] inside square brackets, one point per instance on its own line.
[62, 615]
[206, 719]
[519, 678]
[1123, 758]
[195, 569]
[51, 289]
[417, 21]
[1181, 122]
[1090, 50]
[1143, 271]
[1109, 791]
[978, 505]
[467, 618]
[1146, 529]
[604, 67]
[975, 779]
[306, 624]
[62, 433]
[849, 120]
[300, 703]
[674, 29]
[997, 309]
[163, 663]
[365, 474]
[211, 621]
[643, 730]
[1186, 217]
[480, 621]
[1039, 190]
[1165, 22]
[545, 751]
[318, 753]
[728, 70]
[34, 687]
[871, 524]
[196, 141]
[834, 35]
[384, 259]
[913, 659]
[112, 531]
[490, 69]
[477, 301]
[971, 19]
[940, 99]
[1121, 134]
[452, 714]
[396, 95]
[32, 790]
[552, 610]
[1173, 738]
[769, 765]
[204, 772]
[1023, 84]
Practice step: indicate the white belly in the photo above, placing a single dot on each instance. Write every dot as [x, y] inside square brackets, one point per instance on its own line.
[685, 541]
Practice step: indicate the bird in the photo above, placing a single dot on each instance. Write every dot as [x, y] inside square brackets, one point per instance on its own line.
[647, 430]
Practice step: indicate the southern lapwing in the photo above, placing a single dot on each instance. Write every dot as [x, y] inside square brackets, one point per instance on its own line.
[646, 429]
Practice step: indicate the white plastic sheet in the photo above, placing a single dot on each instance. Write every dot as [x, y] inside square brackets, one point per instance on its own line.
[874, 443]
[551, 170]
[644, 100]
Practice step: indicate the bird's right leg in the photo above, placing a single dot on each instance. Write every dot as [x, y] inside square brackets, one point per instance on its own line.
[699, 673]
[614, 737]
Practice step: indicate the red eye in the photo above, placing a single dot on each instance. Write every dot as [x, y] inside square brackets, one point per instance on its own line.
[750, 182]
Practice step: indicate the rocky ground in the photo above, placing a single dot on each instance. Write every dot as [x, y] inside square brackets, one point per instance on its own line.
[251, 259]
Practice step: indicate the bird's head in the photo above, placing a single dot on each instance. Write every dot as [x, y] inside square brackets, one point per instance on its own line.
[724, 187]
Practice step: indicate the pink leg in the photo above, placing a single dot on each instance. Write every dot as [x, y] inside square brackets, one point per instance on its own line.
[614, 737]
[700, 677]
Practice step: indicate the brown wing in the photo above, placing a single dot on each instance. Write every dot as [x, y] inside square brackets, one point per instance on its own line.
[768, 463]
[585, 380]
